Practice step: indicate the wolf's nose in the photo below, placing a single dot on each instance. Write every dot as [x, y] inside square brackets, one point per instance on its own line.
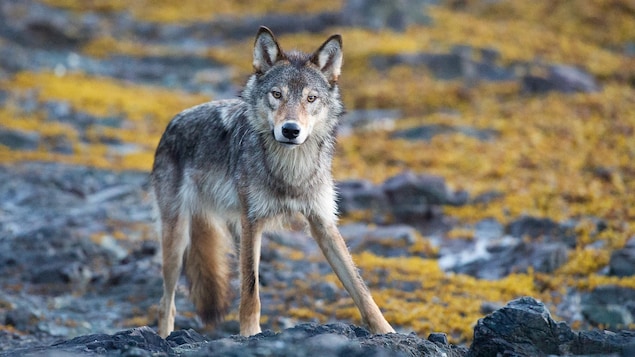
[290, 130]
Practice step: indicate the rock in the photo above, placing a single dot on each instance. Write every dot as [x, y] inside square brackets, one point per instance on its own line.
[518, 257]
[427, 132]
[543, 228]
[412, 197]
[19, 140]
[302, 340]
[561, 78]
[524, 327]
[329, 340]
[407, 197]
[21, 318]
[378, 14]
[385, 241]
[36, 24]
[612, 307]
[359, 195]
[495, 252]
[457, 64]
[371, 119]
[622, 261]
[138, 339]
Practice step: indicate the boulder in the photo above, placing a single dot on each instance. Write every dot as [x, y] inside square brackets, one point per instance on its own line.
[384, 241]
[378, 14]
[505, 259]
[622, 261]
[412, 197]
[610, 306]
[359, 195]
[524, 327]
[561, 78]
[544, 229]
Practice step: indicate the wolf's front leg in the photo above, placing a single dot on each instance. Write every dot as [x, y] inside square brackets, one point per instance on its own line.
[332, 244]
[249, 310]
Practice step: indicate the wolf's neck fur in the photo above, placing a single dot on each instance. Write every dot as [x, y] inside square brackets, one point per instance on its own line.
[306, 162]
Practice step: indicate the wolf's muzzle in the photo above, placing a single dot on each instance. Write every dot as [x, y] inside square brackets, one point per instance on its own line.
[291, 130]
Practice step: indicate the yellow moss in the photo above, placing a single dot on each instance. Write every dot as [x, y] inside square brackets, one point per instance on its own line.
[445, 302]
[580, 20]
[461, 233]
[102, 96]
[584, 261]
[305, 314]
[137, 321]
[562, 156]
[423, 247]
[148, 108]
[105, 46]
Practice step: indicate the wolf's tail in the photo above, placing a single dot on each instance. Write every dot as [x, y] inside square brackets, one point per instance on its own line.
[207, 269]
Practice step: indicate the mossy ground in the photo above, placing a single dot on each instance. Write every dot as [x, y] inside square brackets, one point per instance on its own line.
[562, 156]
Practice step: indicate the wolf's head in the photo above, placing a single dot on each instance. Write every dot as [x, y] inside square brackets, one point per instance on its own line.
[294, 95]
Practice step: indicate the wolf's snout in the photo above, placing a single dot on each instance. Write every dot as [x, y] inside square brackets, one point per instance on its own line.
[291, 130]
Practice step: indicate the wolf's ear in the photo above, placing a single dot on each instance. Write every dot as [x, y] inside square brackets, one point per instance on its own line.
[329, 58]
[266, 50]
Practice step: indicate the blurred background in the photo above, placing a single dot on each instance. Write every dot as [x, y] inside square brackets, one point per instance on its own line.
[486, 154]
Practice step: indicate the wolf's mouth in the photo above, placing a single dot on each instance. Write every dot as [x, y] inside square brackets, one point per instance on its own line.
[286, 143]
[289, 143]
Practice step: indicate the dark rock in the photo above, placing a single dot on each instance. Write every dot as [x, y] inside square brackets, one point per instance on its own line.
[612, 307]
[378, 14]
[427, 132]
[359, 195]
[622, 261]
[19, 140]
[439, 338]
[62, 272]
[411, 197]
[503, 260]
[21, 318]
[385, 241]
[487, 197]
[543, 228]
[495, 252]
[525, 328]
[570, 79]
[604, 343]
[458, 64]
[370, 119]
[561, 78]
[328, 340]
[142, 338]
[35, 24]
[182, 337]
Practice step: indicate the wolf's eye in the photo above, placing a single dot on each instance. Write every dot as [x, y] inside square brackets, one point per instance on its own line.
[276, 94]
[311, 98]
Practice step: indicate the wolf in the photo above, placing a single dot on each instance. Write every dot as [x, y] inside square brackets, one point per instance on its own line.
[224, 170]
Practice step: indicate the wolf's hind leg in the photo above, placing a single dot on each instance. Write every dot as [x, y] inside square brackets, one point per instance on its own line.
[332, 245]
[174, 240]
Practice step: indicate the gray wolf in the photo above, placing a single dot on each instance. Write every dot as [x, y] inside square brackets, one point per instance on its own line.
[224, 169]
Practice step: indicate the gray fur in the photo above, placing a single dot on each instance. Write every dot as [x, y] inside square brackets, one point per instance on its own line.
[237, 164]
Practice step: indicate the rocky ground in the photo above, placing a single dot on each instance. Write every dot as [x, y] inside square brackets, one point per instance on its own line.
[79, 273]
